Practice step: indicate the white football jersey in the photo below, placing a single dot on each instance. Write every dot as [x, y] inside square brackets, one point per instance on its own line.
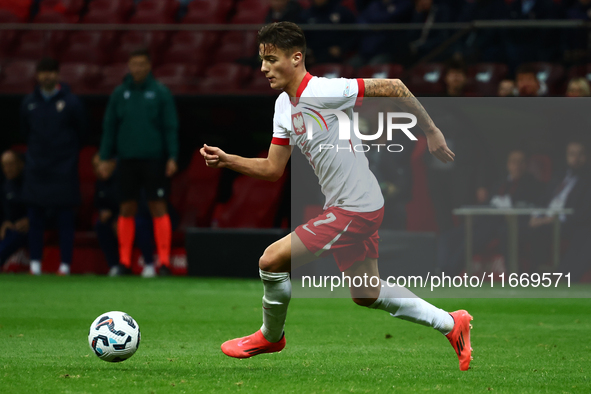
[343, 172]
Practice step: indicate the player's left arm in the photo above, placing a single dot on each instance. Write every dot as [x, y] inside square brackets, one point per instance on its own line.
[409, 103]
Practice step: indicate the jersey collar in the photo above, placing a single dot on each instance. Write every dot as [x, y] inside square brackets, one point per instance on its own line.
[301, 88]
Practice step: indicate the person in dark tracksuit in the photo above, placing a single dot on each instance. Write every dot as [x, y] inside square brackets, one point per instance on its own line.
[140, 128]
[15, 226]
[106, 201]
[53, 122]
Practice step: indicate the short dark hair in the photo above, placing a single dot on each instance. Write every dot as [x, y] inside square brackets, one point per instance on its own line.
[576, 141]
[527, 69]
[456, 65]
[141, 52]
[48, 64]
[286, 36]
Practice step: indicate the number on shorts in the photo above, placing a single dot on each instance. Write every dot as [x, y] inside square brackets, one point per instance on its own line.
[329, 218]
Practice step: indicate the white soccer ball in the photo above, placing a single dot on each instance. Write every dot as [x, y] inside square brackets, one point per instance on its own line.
[114, 336]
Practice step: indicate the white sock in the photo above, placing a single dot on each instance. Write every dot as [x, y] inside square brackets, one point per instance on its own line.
[64, 269]
[275, 301]
[35, 267]
[402, 303]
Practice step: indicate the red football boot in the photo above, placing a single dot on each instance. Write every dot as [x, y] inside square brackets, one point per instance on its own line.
[459, 338]
[251, 346]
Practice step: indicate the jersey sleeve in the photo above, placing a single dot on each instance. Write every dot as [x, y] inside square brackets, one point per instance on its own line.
[281, 126]
[341, 93]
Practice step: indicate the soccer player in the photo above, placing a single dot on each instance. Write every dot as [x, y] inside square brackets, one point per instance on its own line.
[354, 204]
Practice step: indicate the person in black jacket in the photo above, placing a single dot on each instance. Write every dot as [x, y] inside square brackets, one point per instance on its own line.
[517, 189]
[53, 123]
[13, 232]
[569, 189]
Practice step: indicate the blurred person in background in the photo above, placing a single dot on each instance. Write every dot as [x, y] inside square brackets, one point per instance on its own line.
[578, 87]
[284, 10]
[570, 188]
[527, 83]
[53, 122]
[455, 79]
[140, 128]
[506, 88]
[106, 201]
[328, 46]
[517, 189]
[13, 233]
[380, 47]
[422, 42]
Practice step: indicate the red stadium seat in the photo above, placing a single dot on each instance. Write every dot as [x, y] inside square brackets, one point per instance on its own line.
[236, 45]
[69, 8]
[246, 16]
[420, 211]
[18, 77]
[552, 75]
[52, 17]
[82, 78]
[381, 71]
[155, 11]
[112, 76]
[259, 84]
[224, 78]
[108, 11]
[207, 11]
[194, 193]
[87, 187]
[484, 78]
[35, 44]
[8, 38]
[8, 17]
[190, 47]
[426, 79]
[152, 19]
[582, 71]
[332, 70]
[350, 4]
[79, 52]
[254, 204]
[132, 40]
[179, 78]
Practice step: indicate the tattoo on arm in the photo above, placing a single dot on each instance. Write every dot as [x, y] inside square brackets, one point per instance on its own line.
[408, 102]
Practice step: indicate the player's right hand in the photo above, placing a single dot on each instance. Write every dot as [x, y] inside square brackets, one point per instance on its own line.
[214, 157]
[105, 169]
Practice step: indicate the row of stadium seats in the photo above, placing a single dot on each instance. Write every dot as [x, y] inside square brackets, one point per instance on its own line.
[194, 194]
[105, 47]
[18, 77]
[146, 12]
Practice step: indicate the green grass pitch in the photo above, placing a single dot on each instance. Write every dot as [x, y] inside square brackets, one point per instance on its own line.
[333, 346]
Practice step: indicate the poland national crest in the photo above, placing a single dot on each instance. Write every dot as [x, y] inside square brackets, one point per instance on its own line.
[299, 126]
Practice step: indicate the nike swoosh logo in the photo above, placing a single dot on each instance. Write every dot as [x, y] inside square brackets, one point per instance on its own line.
[305, 227]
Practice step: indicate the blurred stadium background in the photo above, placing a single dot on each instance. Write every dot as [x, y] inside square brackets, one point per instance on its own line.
[205, 52]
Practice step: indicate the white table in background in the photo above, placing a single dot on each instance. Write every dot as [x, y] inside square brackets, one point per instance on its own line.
[511, 215]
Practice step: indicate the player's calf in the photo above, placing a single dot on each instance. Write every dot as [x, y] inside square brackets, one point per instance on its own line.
[364, 301]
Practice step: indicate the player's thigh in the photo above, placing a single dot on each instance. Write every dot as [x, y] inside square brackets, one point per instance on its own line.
[285, 254]
[365, 280]
[129, 180]
[155, 181]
